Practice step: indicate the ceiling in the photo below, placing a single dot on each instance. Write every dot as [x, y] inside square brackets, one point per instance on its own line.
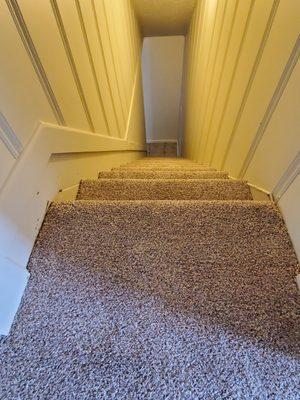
[164, 17]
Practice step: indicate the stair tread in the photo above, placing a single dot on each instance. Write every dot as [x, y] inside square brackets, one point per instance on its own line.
[123, 292]
[164, 189]
[134, 287]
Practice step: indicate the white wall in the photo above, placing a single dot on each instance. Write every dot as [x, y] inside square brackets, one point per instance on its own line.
[242, 96]
[71, 104]
[162, 62]
[289, 205]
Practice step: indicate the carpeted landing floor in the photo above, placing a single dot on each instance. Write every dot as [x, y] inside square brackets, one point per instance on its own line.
[157, 299]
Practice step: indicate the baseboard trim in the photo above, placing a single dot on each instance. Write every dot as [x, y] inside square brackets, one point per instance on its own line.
[165, 141]
[22, 203]
[287, 178]
[252, 185]
[162, 141]
[67, 194]
[13, 281]
[9, 138]
[25, 196]
[260, 189]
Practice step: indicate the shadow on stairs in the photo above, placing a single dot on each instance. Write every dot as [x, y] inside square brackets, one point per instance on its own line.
[163, 280]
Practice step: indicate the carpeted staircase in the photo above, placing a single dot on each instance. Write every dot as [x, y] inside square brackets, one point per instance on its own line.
[163, 280]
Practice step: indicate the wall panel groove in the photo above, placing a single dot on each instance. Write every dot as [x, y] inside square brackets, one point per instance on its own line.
[105, 66]
[72, 63]
[247, 101]
[251, 78]
[63, 62]
[200, 115]
[198, 64]
[232, 78]
[201, 10]
[114, 61]
[92, 65]
[219, 79]
[203, 140]
[283, 81]
[34, 57]
[109, 62]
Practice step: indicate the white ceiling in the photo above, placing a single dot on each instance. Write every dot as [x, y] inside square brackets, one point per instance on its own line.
[164, 17]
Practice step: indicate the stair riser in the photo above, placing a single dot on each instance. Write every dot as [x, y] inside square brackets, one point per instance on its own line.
[127, 189]
[163, 175]
[164, 168]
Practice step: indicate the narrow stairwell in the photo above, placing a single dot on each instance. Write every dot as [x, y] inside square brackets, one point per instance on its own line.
[163, 280]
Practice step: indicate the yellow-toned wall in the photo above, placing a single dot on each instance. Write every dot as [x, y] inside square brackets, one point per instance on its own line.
[242, 94]
[76, 66]
[76, 62]
[71, 104]
[73, 64]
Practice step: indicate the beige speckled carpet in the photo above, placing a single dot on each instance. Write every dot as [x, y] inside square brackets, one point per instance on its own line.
[166, 167]
[154, 174]
[157, 299]
[163, 189]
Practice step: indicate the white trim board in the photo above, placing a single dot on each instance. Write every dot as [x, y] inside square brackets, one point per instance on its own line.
[21, 203]
[25, 196]
[32, 184]
[67, 194]
[9, 138]
[165, 141]
[252, 185]
[12, 284]
[287, 178]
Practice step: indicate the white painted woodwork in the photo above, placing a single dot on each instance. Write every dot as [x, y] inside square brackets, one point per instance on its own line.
[22, 99]
[43, 28]
[99, 65]
[71, 68]
[241, 95]
[88, 90]
[279, 46]
[6, 162]
[289, 205]
[71, 104]
[12, 284]
[281, 140]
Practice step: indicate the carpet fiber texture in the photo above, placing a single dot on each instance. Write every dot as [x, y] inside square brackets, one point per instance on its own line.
[165, 167]
[163, 160]
[157, 299]
[153, 174]
[163, 189]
